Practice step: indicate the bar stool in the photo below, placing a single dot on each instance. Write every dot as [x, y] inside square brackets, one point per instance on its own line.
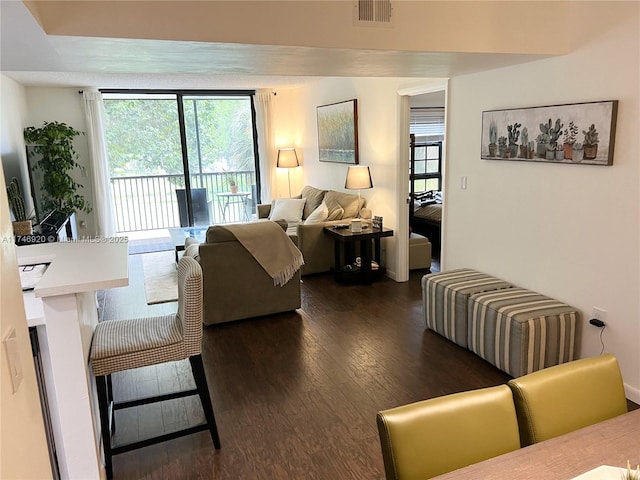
[127, 344]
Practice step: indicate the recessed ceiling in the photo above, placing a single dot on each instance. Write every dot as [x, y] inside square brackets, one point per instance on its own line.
[31, 57]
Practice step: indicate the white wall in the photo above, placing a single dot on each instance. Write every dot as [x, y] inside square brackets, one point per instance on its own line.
[12, 149]
[23, 452]
[65, 105]
[568, 231]
[378, 126]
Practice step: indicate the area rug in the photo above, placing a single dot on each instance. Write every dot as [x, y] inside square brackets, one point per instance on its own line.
[160, 277]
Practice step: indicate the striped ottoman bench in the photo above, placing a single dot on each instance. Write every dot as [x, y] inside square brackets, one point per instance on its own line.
[444, 300]
[520, 331]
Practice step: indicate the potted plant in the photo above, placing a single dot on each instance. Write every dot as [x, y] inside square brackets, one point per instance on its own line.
[577, 151]
[524, 147]
[550, 154]
[21, 224]
[514, 133]
[543, 142]
[549, 137]
[502, 147]
[569, 139]
[493, 136]
[631, 474]
[543, 139]
[54, 142]
[590, 142]
[233, 186]
[555, 132]
[531, 150]
[559, 151]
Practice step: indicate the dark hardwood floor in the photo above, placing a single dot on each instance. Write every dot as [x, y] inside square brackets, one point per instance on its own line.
[295, 394]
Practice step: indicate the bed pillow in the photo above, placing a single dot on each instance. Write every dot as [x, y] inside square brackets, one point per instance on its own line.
[288, 209]
[320, 214]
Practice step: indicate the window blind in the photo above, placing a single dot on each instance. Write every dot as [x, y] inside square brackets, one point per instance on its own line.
[427, 121]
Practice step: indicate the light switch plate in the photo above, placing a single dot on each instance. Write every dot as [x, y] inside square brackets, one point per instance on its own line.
[13, 359]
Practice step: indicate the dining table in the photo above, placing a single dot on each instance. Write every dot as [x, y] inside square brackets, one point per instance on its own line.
[613, 442]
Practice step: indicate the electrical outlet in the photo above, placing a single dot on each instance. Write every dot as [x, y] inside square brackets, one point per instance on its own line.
[599, 314]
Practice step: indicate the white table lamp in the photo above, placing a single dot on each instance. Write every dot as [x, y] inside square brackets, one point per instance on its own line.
[358, 177]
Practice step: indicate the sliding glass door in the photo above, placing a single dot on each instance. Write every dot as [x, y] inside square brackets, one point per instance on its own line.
[221, 155]
[181, 158]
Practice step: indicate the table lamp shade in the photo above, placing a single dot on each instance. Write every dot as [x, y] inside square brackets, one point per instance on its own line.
[287, 158]
[358, 177]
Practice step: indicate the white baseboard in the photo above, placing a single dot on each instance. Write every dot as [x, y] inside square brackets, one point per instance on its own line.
[632, 393]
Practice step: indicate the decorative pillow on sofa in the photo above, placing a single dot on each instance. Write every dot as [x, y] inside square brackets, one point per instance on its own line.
[320, 214]
[314, 198]
[192, 250]
[289, 209]
[336, 214]
[347, 201]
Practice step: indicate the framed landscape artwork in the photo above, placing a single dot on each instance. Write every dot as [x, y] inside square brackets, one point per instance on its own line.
[580, 133]
[338, 132]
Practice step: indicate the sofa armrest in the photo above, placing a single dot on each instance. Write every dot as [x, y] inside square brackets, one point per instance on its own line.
[263, 210]
[316, 247]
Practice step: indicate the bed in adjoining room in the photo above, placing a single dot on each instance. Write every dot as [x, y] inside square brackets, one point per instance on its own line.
[426, 216]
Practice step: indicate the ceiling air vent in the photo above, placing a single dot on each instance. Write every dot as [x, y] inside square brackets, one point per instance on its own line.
[372, 13]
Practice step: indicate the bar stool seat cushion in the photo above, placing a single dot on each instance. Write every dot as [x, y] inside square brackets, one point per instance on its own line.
[125, 344]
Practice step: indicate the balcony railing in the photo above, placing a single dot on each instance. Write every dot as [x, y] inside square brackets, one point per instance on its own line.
[151, 202]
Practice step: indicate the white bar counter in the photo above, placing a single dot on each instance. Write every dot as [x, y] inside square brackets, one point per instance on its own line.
[64, 310]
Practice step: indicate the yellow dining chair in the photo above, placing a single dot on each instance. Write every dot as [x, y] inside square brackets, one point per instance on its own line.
[566, 397]
[425, 439]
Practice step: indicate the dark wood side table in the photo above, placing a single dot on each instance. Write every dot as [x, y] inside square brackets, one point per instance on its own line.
[369, 241]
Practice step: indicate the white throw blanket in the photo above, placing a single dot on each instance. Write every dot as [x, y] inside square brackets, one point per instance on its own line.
[271, 247]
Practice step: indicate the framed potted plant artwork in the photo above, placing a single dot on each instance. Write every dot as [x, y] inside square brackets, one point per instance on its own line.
[580, 133]
[338, 132]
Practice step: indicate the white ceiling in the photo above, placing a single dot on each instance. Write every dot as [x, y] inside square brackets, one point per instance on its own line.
[31, 57]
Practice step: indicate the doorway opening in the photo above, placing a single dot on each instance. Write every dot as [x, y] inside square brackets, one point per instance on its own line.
[426, 148]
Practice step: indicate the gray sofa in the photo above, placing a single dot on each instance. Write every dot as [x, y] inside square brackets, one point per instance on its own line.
[235, 285]
[317, 247]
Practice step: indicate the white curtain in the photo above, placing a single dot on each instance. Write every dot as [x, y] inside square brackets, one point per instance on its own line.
[103, 199]
[266, 144]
